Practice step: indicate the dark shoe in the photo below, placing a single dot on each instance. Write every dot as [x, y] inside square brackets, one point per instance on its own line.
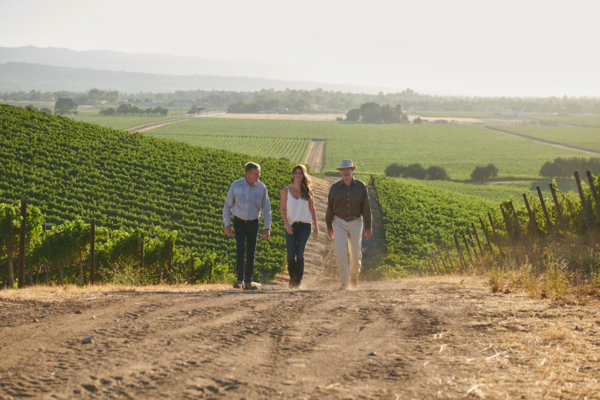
[238, 284]
[344, 286]
[292, 284]
[249, 286]
[354, 282]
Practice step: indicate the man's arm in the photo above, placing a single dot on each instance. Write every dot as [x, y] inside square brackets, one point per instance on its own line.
[366, 214]
[229, 200]
[268, 218]
[329, 214]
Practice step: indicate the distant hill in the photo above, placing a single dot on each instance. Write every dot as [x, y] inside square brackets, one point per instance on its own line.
[133, 72]
[17, 76]
[72, 169]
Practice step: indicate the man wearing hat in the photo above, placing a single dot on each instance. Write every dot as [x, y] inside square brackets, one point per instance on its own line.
[348, 208]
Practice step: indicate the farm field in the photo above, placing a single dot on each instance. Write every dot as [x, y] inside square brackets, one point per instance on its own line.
[584, 138]
[75, 170]
[456, 114]
[416, 217]
[282, 117]
[583, 120]
[120, 122]
[289, 149]
[498, 192]
[458, 148]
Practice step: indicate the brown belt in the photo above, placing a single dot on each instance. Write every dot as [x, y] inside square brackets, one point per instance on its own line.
[348, 219]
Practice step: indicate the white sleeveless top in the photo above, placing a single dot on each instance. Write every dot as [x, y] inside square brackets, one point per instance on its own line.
[297, 209]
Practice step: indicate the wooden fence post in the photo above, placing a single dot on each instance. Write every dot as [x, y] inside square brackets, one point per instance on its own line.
[594, 193]
[532, 219]
[486, 236]
[142, 252]
[92, 251]
[169, 261]
[441, 256]
[585, 211]
[473, 243]
[467, 246]
[192, 271]
[460, 254]
[561, 220]
[516, 218]
[23, 237]
[448, 255]
[477, 237]
[548, 223]
[495, 235]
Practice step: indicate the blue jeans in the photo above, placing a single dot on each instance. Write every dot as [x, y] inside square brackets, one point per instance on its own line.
[246, 234]
[296, 243]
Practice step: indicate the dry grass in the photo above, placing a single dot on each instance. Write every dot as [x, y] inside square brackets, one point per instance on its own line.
[50, 293]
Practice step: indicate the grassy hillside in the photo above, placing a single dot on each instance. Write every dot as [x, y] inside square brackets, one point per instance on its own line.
[71, 169]
[458, 148]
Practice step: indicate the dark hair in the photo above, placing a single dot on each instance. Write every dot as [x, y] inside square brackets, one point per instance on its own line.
[306, 181]
[251, 165]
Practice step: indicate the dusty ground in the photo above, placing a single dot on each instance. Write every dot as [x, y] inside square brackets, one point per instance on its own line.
[316, 156]
[447, 337]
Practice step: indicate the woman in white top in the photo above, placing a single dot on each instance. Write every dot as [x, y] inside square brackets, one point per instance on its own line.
[297, 211]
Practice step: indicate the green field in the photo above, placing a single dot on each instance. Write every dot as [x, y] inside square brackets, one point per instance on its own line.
[417, 217]
[74, 170]
[289, 149]
[456, 114]
[120, 122]
[585, 120]
[499, 192]
[584, 138]
[458, 148]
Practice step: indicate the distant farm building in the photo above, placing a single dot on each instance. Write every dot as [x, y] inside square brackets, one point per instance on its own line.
[517, 112]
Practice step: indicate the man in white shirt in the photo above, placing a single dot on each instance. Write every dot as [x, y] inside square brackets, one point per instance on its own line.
[246, 199]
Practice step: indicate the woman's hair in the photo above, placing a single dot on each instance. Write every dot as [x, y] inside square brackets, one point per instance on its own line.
[305, 185]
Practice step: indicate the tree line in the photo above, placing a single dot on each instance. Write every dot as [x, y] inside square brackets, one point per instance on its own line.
[330, 101]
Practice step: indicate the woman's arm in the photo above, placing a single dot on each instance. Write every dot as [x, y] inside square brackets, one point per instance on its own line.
[283, 211]
[313, 212]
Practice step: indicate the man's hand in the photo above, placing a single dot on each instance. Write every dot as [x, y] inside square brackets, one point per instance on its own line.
[330, 233]
[368, 233]
[289, 229]
[266, 234]
[228, 231]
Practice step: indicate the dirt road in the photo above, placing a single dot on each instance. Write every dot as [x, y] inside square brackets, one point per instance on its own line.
[445, 337]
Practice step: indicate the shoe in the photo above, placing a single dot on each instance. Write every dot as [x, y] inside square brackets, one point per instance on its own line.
[298, 285]
[249, 286]
[292, 284]
[354, 282]
[238, 284]
[344, 286]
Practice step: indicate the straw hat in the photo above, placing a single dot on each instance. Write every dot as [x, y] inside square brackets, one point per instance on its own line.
[346, 164]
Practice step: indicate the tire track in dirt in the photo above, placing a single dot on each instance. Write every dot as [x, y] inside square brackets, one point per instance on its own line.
[418, 338]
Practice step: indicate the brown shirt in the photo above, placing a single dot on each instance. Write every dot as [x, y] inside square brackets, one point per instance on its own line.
[348, 201]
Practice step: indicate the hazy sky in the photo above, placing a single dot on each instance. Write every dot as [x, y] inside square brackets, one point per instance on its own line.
[462, 47]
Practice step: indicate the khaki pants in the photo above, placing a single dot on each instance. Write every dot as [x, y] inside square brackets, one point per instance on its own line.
[348, 244]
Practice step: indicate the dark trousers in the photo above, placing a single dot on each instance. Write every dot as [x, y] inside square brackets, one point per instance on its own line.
[296, 243]
[246, 234]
